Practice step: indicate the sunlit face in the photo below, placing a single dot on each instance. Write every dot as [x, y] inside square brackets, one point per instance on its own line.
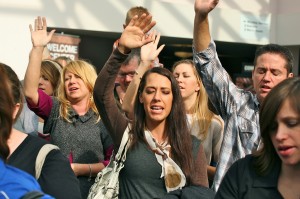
[269, 71]
[286, 135]
[157, 98]
[46, 86]
[126, 73]
[75, 88]
[187, 81]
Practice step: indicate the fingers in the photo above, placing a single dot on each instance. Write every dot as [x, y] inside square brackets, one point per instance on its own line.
[39, 24]
[44, 25]
[160, 49]
[157, 38]
[149, 26]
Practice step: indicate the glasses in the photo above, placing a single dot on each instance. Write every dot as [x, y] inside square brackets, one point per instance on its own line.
[123, 75]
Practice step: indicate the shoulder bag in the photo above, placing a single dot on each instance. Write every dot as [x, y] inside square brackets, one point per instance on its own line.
[106, 184]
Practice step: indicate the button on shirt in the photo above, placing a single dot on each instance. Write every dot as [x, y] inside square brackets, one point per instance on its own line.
[237, 107]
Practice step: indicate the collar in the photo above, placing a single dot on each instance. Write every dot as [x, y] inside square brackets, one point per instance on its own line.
[256, 102]
[73, 115]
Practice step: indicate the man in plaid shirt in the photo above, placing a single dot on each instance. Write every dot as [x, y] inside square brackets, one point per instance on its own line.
[238, 108]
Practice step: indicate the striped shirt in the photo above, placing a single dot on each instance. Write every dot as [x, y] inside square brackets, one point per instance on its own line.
[238, 108]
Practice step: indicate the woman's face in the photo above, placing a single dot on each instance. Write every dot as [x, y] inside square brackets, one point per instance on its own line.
[46, 85]
[75, 88]
[187, 81]
[157, 98]
[286, 135]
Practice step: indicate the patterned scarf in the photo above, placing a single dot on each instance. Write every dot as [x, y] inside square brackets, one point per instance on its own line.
[174, 177]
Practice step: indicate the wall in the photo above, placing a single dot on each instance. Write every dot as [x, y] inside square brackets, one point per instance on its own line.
[174, 17]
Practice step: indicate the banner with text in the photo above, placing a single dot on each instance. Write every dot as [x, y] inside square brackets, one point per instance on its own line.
[64, 45]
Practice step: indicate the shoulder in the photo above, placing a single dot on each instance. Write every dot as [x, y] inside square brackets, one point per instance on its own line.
[25, 181]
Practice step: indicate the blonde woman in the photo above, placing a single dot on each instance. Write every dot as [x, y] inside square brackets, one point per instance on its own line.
[204, 124]
[72, 118]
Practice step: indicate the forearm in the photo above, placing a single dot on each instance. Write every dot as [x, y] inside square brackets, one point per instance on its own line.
[32, 75]
[90, 170]
[112, 118]
[201, 32]
[131, 92]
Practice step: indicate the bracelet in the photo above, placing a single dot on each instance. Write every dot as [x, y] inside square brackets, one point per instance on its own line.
[90, 177]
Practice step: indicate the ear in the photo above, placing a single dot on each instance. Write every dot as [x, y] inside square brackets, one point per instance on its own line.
[290, 75]
[16, 110]
[141, 99]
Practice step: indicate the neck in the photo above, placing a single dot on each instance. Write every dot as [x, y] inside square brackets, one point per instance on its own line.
[15, 139]
[289, 181]
[290, 172]
[81, 107]
[157, 130]
[189, 103]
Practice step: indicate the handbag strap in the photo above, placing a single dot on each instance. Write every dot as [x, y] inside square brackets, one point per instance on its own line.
[40, 159]
[125, 142]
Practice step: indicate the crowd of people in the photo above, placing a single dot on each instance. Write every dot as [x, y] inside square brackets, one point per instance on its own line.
[190, 128]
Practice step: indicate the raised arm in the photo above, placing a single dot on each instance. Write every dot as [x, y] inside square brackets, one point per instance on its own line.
[39, 39]
[132, 37]
[149, 52]
[201, 26]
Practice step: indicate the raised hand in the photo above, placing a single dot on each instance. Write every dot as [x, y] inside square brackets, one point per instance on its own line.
[203, 7]
[149, 51]
[134, 35]
[39, 35]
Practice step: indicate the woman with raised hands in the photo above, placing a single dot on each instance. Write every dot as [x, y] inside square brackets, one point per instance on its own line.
[72, 118]
[162, 156]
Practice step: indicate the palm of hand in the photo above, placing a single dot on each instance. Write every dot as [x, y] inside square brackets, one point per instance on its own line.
[132, 37]
[149, 51]
[205, 6]
[40, 38]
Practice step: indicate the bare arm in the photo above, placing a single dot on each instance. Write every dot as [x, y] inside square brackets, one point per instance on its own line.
[148, 54]
[39, 38]
[201, 26]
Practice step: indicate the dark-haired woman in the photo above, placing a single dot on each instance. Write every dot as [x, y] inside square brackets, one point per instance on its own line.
[274, 170]
[162, 156]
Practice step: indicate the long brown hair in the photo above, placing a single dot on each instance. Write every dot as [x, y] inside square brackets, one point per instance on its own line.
[6, 111]
[288, 89]
[176, 126]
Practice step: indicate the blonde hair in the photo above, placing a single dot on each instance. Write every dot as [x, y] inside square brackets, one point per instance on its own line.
[200, 108]
[137, 10]
[88, 75]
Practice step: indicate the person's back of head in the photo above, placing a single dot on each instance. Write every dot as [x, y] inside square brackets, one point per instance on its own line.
[137, 10]
[6, 110]
[16, 89]
[63, 60]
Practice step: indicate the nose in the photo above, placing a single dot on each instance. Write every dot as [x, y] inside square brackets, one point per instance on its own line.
[40, 81]
[267, 76]
[157, 96]
[281, 133]
[128, 78]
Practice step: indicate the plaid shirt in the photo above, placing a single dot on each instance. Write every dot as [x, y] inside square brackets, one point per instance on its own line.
[238, 108]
